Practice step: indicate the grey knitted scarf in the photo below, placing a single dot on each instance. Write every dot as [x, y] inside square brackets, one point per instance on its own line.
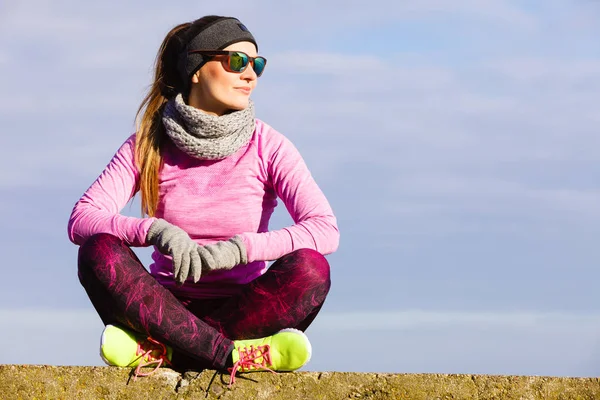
[205, 136]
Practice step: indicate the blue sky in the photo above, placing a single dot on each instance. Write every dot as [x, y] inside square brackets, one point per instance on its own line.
[457, 143]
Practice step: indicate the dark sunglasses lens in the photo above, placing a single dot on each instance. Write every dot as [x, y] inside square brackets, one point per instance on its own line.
[238, 61]
[259, 65]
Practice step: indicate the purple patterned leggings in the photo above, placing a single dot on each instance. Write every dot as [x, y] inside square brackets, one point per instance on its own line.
[288, 295]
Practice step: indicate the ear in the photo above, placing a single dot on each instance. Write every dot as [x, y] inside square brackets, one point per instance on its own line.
[196, 77]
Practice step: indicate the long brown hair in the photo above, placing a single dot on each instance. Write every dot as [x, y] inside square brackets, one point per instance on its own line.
[150, 130]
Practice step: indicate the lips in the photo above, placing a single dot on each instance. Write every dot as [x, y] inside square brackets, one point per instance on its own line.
[244, 90]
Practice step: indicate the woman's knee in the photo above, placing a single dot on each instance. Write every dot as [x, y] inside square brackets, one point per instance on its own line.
[312, 264]
[96, 249]
[100, 240]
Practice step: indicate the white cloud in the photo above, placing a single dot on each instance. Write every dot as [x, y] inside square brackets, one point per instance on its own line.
[503, 11]
[552, 70]
[315, 16]
[446, 205]
[49, 336]
[60, 156]
[337, 64]
[570, 18]
[482, 191]
[75, 23]
[415, 319]
[31, 318]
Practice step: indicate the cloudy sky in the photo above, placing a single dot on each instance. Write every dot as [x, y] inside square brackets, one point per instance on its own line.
[456, 140]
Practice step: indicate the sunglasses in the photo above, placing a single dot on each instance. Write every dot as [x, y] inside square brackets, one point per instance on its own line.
[237, 61]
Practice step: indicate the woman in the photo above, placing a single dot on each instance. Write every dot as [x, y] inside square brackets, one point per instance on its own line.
[209, 174]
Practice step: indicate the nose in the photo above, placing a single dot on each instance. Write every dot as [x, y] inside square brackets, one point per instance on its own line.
[248, 74]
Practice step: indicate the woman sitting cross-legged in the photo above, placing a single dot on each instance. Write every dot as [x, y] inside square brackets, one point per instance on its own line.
[209, 174]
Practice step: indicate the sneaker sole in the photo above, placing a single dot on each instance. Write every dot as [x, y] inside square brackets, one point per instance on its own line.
[102, 345]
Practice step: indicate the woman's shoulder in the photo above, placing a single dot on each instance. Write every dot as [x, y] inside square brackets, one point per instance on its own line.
[131, 139]
[269, 137]
[265, 130]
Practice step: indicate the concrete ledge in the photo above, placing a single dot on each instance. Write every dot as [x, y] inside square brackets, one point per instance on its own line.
[82, 383]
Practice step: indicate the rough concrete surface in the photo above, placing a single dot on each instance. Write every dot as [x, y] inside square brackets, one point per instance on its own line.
[82, 383]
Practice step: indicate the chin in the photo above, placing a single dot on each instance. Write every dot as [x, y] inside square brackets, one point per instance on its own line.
[239, 105]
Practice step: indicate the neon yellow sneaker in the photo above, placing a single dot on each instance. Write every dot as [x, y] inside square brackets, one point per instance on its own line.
[287, 350]
[123, 348]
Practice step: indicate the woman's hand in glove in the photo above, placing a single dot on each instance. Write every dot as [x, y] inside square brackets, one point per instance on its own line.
[174, 241]
[223, 254]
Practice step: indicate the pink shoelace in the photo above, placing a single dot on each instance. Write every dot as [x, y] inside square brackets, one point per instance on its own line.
[151, 352]
[249, 360]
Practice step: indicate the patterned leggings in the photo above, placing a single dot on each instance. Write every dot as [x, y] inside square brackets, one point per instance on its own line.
[288, 295]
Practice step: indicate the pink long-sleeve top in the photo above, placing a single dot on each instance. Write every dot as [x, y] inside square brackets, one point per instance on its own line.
[212, 201]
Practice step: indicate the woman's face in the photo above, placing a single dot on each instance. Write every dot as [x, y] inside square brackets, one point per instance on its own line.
[216, 90]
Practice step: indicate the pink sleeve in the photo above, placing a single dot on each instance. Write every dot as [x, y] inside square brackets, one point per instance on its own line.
[98, 209]
[315, 226]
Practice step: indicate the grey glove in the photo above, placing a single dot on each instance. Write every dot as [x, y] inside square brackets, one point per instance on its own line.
[174, 241]
[223, 255]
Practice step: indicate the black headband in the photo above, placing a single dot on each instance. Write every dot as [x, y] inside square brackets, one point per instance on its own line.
[214, 36]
